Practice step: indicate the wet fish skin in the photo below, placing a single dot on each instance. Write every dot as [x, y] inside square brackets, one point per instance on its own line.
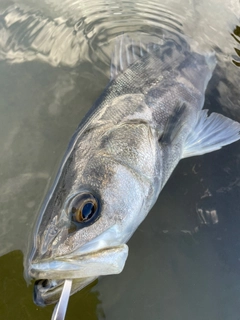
[123, 153]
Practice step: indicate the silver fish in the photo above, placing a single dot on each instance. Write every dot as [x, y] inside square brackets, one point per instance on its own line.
[148, 118]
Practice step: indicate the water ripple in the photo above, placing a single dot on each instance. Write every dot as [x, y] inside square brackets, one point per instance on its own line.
[236, 37]
[26, 34]
[69, 32]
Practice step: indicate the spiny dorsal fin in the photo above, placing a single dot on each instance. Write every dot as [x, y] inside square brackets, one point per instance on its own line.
[128, 50]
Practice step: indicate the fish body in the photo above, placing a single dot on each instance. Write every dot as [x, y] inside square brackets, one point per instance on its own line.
[147, 119]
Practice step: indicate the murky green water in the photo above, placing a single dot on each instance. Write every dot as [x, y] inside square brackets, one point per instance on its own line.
[54, 63]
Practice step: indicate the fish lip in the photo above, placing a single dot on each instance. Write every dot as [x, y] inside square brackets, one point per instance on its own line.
[40, 289]
[50, 292]
[110, 260]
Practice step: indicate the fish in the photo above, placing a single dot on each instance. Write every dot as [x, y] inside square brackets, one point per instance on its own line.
[148, 118]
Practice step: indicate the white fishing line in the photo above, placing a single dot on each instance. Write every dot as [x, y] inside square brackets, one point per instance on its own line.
[61, 307]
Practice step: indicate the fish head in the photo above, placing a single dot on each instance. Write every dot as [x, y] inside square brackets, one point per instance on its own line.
[84, 224]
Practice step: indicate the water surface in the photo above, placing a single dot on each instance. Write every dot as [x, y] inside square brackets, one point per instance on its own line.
[184, 258]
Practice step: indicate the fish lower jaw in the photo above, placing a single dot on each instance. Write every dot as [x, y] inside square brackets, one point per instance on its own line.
[48, 291]
[95, 264]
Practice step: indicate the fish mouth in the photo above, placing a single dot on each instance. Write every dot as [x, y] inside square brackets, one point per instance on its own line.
[102, 262]
[48, 291]
[83, 269]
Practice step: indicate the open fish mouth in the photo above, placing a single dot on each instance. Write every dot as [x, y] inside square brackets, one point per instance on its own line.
[48, 291]
[83, 269]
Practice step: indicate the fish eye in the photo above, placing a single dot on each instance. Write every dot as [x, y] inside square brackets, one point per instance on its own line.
[85, 209]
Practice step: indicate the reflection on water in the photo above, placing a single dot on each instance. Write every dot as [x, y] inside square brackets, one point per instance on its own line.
[27, 35]
[69, 32]
[236, 36]
[184, 259]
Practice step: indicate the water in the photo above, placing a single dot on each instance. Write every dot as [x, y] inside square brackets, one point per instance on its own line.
[184, 259]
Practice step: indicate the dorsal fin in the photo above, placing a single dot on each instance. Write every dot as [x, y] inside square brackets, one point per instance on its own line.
[128, 50]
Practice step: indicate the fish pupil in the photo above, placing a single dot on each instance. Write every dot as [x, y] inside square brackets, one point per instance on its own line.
[88, 211]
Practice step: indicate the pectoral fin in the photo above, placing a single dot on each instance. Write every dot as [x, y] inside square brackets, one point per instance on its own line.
[211, 133]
